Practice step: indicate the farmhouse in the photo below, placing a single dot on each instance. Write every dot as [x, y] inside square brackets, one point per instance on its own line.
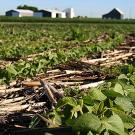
[50, 13]
[19, 13]
[114, 14]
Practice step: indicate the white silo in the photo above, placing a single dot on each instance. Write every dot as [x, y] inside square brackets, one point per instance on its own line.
[70, 13]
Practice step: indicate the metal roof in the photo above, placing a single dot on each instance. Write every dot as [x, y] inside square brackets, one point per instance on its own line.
[53, 10]
[22, 11]
[119, 11]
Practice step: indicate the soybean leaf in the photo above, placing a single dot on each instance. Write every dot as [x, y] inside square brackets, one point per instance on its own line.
[88, 100]
[56, 119]
[67, 100]
[118, 88]
[75, 110]
[115, 124]
[111, 93]
[132, 96]
[124, 103]
[132, 78]
[96, 94]
[123, 76]
[89, 133]
[127, 119]
[11, 70]
[87, 122]
[129, 88]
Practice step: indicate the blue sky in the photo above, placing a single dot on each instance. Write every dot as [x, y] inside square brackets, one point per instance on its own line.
[91, 8]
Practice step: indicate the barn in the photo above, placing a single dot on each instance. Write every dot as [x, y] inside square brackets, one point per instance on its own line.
[114, 14]
[50, 13]
[19, 13]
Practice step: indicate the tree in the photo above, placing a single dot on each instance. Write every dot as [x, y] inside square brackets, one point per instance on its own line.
[28, 7]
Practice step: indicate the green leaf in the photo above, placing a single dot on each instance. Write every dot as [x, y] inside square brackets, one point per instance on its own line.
[132, 78]
[55, 117]
[118, 88]
[67, 100]
[123, 76]
[101, 107]
[23, 67]
[88, 100]
[124, 103]
[132, 133]
[129, 88]
[132, 96]
[111, 94]
[106, 133]
[89, 133]
[11, 70]
[88, 108]
[48, 134]
[127, 119]
[115, 124]
[87, 122]
[41, 65]
[75, 111]
[96, 94]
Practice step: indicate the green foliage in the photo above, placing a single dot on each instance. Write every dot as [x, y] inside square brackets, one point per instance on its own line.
[115, 124]
[118, 88]
[67, 101]
[28, 7]
[108, 109]
[96, 94]
[77, 34]
[87, 122]
[30, 39]
[67, 20]
[124, 103]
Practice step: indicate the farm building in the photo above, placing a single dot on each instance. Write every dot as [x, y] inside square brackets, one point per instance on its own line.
[50, 13]
[69, 12]
[114, 14]
[19, 13]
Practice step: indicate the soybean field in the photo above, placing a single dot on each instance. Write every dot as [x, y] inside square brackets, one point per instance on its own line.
[80, 76]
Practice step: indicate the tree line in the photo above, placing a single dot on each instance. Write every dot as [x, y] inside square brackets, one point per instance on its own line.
[28, 7]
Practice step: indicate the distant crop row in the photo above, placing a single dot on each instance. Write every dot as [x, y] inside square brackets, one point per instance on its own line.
[60, 20]
[20, 40]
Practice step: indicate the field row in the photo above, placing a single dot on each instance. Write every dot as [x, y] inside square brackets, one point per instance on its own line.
[80, 76]
[33, 48]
